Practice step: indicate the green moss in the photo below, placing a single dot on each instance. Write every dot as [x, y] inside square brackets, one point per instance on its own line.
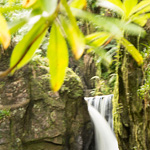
[116, 116]
[72, 83]
[4, 114]
[2, 84]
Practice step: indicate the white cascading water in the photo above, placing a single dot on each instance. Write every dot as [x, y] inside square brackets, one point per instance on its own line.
[100, 110]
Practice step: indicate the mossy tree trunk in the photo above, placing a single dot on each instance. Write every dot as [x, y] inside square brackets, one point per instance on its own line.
[131, 123]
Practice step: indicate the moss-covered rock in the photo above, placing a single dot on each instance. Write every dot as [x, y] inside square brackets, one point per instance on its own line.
[130, 116]
[40, 119]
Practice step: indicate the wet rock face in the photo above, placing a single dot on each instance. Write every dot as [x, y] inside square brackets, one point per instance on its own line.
[40, 119]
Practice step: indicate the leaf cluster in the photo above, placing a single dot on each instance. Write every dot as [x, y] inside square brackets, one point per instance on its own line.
[60, 16]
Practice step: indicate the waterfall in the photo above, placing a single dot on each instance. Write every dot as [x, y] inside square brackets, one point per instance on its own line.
[100, 110]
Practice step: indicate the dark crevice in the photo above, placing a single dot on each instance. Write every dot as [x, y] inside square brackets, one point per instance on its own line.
[40, 141]
[89, 138]
[28, 113]
[27, 117]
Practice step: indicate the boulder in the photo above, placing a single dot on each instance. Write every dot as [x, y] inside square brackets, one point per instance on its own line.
[32, 117]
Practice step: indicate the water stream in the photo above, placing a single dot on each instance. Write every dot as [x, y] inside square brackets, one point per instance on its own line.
[100, 110]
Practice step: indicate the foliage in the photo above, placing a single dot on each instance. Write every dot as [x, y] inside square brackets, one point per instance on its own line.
[130, 11]
[4, 32]
[60, 16]
[144, 90]
[91, 4]
[58, 59]
[4, 114]
[104, 84]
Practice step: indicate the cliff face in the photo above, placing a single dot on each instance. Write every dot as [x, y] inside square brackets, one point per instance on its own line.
[37, 118]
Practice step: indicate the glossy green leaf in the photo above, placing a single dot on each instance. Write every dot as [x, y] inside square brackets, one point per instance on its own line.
[70, 16]
[94, 36]
[11, 1]
[129, 5]
[142, 19]
[98, 40]
[74, 35]
[14, 26]
[143, 4]
[105, 23]
[132, 50]
[8, 8]
[112, 25]
[75, 38]
[36, 11]
[80, 4]
[115, 5]
[28, 43]
[28, 3]
[48, 5]
[32, 50]
[144, 10]
[4, 32]
[58, 57]
[116, 2]
[134, 29]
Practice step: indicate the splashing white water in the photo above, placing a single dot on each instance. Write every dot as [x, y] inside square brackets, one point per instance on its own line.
[103, 104]
[104, 136]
